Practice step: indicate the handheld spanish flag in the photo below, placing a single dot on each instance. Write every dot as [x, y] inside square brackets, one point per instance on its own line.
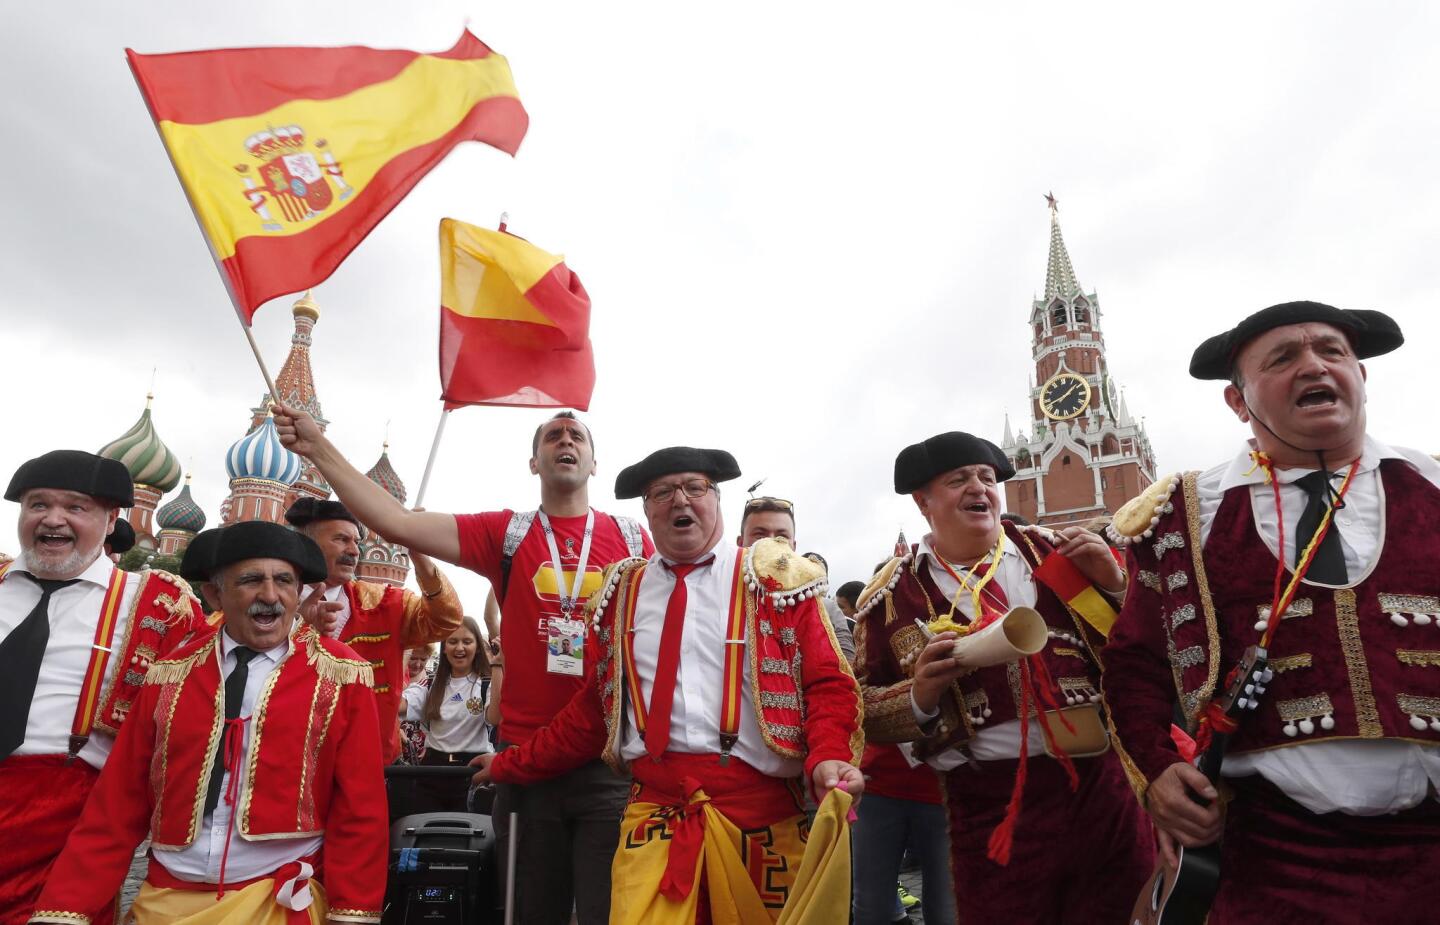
[514, 323]
[290, 156]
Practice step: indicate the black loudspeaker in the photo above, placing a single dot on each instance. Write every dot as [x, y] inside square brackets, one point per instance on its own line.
[442, 870]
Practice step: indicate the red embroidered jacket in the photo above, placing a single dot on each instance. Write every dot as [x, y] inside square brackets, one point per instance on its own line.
[805, 698]
[317, 707]
[384, 622]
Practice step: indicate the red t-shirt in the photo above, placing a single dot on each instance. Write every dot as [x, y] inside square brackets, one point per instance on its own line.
[888, 774]
[532, 695]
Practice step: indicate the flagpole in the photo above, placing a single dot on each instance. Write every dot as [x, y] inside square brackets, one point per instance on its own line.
[430, 463]
[255, 349]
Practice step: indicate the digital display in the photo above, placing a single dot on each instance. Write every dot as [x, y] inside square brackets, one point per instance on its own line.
[435, 894]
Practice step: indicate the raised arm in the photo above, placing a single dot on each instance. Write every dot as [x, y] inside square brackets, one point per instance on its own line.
[427, 532]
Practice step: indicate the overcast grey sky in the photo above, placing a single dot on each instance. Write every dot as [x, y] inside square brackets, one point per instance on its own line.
[811, 231]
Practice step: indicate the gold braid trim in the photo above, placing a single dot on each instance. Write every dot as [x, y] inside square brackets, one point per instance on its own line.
[337, 669]
[56, 915]
[1133, 776]
[1290, 662]
[888, 716]
[353, 915]
[1347, 623]
[1424, 658]
[1207, 606]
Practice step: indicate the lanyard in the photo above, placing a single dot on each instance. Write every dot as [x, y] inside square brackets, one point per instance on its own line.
[567, 601]
[1285, 593]
[994, 557]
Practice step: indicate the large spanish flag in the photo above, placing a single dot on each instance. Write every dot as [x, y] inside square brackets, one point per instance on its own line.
[514, 323]
[290, 156]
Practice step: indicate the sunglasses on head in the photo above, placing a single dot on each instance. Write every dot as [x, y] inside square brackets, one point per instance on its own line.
[767, 503]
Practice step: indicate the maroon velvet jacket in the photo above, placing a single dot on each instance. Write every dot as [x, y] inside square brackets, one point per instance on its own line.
[887, 643]
[1344, 665]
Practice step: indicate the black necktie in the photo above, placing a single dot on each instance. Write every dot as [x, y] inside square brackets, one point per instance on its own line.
[1328, 565]
[234, 696]
[20, 655]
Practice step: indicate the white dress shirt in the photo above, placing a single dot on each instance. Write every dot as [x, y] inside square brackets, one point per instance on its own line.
[74, 615]
[337, 595]
[457, 729]
[1002, 741]
[1359, 777]
[200, 862]
[699, 680]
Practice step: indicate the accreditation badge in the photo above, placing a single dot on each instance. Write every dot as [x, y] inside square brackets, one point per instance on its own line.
[565, 647]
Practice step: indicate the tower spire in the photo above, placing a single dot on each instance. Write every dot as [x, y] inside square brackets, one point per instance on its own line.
[1059, 275]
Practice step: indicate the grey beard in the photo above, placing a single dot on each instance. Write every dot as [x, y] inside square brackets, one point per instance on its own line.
[72, 565]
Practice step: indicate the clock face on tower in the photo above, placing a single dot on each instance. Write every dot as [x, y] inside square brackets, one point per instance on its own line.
[1064, 396]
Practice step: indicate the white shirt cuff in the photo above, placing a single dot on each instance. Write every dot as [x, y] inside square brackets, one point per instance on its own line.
[922, 718]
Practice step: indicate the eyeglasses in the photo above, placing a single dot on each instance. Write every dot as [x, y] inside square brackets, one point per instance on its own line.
[693, 488]
[767, 503]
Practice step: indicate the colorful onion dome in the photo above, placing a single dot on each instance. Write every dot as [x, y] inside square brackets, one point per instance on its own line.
[260, 455]
[181, 513]
[384, 475]
[142, 453]
[306, 307]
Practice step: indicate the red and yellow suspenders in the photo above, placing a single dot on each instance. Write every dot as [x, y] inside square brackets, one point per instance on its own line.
[99, 659]
[734, 684]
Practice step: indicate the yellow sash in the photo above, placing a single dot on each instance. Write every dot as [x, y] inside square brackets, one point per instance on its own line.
[254, 905]
[781, 874]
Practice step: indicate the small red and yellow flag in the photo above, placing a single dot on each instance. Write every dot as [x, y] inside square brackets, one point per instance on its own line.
[290, 156]
[514, 323]
[1060, 575]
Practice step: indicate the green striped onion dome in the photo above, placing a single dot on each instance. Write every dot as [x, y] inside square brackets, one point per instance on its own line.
[141, 451]
[181, 513]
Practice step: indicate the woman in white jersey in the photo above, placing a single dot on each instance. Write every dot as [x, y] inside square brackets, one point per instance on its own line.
[451, 707]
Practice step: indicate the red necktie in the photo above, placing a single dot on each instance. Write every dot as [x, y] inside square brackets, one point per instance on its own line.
[662, 692]
[992, 596]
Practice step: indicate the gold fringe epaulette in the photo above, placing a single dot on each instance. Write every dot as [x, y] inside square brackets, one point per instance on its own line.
[775, 569]
[609, 581]
[178, 608]
[881, 584]
[174, 670]
[332, 667]
[1137, 517]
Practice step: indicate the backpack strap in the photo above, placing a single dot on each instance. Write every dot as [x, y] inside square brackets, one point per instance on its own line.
[634, 537]
[515, 531]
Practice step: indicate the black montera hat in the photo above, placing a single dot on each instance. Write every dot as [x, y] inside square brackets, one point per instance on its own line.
[633, 480]
[252, 539]
[920, 462]
[74, 470]
[1371, 334]
[122, 538]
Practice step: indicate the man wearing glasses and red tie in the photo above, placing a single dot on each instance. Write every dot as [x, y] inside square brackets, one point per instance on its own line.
[720, 687]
